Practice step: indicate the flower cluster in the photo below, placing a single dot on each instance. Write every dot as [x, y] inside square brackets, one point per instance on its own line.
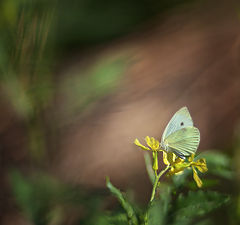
[176, 164]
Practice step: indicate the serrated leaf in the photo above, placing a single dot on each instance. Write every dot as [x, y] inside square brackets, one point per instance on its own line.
[158, 211]
[197, 204]
[124, 203]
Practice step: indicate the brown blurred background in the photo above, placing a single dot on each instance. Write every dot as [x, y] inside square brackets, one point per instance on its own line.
[102, 83]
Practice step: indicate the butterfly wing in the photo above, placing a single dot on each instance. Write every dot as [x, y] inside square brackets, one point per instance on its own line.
[180, 119]
[183, 142]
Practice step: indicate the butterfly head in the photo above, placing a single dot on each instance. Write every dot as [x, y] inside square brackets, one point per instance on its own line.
[164, 145]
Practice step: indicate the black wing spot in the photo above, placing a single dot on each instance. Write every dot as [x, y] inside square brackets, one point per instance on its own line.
[182, 124]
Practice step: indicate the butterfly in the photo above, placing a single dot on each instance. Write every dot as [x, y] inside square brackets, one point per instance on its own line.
[180, 136]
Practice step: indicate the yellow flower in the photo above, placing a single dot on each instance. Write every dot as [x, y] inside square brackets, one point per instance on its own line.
[178, 165]
[170, 158]
[154, 146]
[201, 165]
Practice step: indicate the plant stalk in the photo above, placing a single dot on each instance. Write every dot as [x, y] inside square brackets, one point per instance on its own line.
[156, 182]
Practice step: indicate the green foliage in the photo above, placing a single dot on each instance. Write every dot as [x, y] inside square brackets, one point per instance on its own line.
[196, 204]
[180, 180]
[91, 18]
[117, 219]
[131, 215]
[159, 210]
[80, 89]
[43, 199]
[35, 196]
[148, 163]
[219, 164]
[175, 204]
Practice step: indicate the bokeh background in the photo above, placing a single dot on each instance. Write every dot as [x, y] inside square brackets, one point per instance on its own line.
[80, 80]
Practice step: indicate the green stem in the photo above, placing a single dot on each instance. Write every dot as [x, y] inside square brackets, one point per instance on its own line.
[146, 218]
[157, 178]
[156, 182]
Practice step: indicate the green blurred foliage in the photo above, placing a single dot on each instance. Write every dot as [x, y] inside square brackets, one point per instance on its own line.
[27, 80]
[100, 21]
[148, 163]
[131, 214]
[80, 89]
[197, 205]
[35, 31]
[219, 164]
[44, 199]
[159, 210]
[85, 22]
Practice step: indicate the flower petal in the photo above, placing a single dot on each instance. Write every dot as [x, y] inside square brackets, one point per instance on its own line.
[179, 160]
[178, 167]
[152, 143]
[191, 158]
[201, 165]
[171, 157]
[176, 171]
[179, 173]
[156, 144]
[136, 142]
[196, 178]
[165, 158]
[148, 140]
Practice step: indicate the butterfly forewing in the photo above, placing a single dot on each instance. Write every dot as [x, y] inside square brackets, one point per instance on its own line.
[180, 119]
[183, 142]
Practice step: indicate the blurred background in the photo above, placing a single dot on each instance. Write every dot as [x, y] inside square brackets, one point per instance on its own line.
[80, 80]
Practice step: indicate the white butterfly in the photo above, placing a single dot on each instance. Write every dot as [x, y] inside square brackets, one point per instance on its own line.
[180, 136]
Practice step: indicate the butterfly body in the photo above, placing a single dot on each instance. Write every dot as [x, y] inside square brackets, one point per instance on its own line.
[180, 136]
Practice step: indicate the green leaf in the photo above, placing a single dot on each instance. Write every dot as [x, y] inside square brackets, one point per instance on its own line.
[118, 219]
[34, 198]
[181, 179]
[218, 164]
[132, 218]
[43, 199]
[197, 204]
[158, 211]
[148, 163]
[204, 222]
[207, 183]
